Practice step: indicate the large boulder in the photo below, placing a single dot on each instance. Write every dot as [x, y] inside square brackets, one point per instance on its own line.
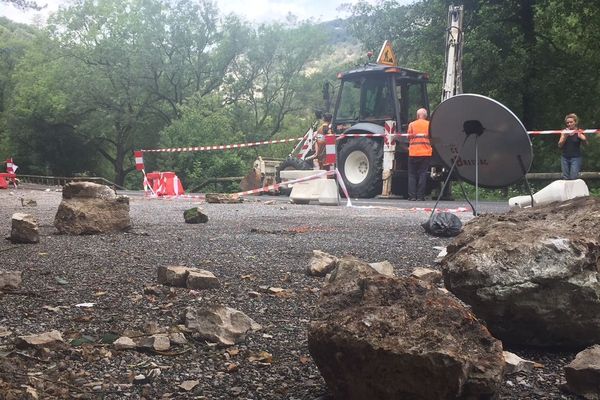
[532, 274]
[89, 208]
[377, 337]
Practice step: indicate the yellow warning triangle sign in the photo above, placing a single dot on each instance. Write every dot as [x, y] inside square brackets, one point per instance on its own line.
[386, 55]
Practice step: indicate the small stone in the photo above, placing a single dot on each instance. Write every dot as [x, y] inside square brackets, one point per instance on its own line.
[124, 343]
[24, 229]
[321, 263]
[583, 373]
[139, 379]
[513, 364]
[253, 294]
[383, 267]
[151, 327]
[189, 385]
[173, 275]
[10, 279]
[42, 339]
[152, 290]
[177, 338]
[201, 279]
[195, 216]
[428, 275]
[161, 343]
[223, 198]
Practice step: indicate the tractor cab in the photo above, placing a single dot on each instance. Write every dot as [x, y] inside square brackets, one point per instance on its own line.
[375, 93]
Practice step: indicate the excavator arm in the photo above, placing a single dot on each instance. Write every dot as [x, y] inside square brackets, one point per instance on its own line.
[454, 45]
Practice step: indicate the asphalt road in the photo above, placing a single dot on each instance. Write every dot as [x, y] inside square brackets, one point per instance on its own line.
[459, 205]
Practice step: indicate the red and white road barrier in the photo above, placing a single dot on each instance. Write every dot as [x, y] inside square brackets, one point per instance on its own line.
[330, 155]
[11, 167]
[139, 160]
[218, 147]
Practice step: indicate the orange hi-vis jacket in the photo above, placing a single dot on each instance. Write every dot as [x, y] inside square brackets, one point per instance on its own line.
[418, 139]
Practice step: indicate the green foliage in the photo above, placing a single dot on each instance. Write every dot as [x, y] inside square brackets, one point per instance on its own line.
[269, 82]
[204, 121]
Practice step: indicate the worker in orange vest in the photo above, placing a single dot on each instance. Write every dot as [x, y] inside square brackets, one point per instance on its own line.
[324, 129]
[419, 155]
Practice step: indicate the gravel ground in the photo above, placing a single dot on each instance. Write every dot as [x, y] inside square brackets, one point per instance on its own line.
[262, 242]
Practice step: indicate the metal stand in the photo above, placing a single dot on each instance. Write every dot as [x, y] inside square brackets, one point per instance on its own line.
[520, 159]
[471, 127]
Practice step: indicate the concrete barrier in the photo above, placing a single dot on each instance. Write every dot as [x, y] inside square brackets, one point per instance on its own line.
[329, 195]
[319, 189]
[560, 190]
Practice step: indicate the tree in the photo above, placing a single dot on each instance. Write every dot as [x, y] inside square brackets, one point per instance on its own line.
[24, 4]
[204, 122]
[270, 81]
[15, 40]
[122, 69]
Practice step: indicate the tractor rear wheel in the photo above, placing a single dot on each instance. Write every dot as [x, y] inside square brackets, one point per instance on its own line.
[360, 162]
[290, 163]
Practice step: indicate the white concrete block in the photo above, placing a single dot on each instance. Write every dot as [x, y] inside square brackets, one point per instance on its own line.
[560, 190]
[328, 195]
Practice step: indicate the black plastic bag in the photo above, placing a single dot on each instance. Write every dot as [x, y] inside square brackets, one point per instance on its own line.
[443, 224]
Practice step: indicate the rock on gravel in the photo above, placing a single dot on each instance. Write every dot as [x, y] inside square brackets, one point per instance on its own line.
[113, 271]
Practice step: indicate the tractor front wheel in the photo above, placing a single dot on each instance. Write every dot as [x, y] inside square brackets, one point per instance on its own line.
[360, 162]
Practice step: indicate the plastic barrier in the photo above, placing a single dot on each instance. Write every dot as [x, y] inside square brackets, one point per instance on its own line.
[6, 178]
[560, 190]
[165, 184]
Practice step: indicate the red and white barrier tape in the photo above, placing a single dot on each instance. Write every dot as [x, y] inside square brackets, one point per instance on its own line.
[340, 181]
[218, 147]
[370, 135]
[339, 137]
[558, 132]
[451, 210]
[533, 133]
[425, 209]
[173, 197]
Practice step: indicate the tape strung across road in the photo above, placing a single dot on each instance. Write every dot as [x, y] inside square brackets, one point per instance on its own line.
[558, 132]
[219, 147]
[424, 209]
[339, 137]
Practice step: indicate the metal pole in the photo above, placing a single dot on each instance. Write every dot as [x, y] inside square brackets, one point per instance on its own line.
[476, 176]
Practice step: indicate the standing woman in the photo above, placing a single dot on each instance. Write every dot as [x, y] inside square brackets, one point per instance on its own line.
[570, 143]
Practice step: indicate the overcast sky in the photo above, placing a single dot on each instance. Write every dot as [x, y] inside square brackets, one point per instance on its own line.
[252, 10]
